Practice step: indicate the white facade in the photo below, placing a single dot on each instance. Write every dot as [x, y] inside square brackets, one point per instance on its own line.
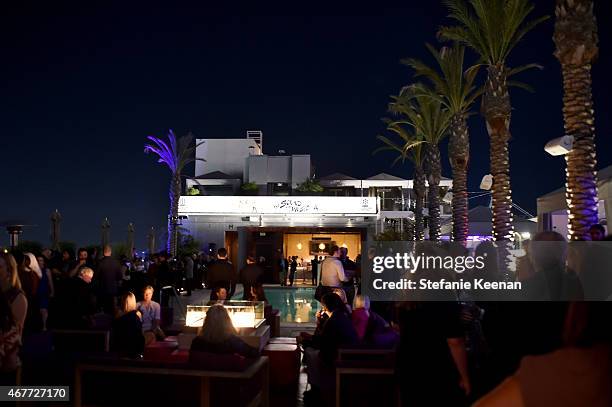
[265, 169]
[552, 207]
[225, 155]
[225, 214]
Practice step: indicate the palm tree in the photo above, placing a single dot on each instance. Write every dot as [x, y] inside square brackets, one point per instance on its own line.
[176, 154]
[493, 28]
[455, 89]
[430, 121]
[411, 149]
[576, 40]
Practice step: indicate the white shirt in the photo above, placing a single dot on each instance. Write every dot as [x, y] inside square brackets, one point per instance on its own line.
[332, 272]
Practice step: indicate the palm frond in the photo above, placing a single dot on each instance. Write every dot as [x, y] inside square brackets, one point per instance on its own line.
[174, 153]
[523, 68]
[492, 28]
[521, 85]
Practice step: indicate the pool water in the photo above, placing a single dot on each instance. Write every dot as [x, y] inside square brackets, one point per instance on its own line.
[296, 305]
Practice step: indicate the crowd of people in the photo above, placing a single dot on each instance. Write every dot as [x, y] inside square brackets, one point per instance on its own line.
[449, 352]
[61, 290]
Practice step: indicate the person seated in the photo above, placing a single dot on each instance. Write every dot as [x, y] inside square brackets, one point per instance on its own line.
[336, 331]
[150, 311]
[342, 294]
[126, 333]
[370, 327]
[257, 293]
[220, 293]
[219, 336]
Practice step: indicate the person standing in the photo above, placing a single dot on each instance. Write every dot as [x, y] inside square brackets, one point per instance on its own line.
[292, 270]
[332, 273]
[10, 285]
[189, 265]
[314, 263]
[222, 274]
[281, 265]
[31, 276]
[108, 275]
[82, 261]
[350, 268]
[250, 276]
[45, 291]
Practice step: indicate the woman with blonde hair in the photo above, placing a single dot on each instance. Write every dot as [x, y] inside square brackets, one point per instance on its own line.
[218, 335]
[10, 285]
[13, 310]
[126, 332]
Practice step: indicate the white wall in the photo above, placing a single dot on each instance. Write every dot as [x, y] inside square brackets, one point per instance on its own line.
[288, 169]
[300, 169]
[559, 222]
[225, 155]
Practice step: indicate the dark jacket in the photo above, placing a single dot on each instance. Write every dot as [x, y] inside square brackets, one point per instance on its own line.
[80, 304]
[126, 335]
[337, 331]
[222, 274]
[233, 345]
[108, 275]
[251, 274]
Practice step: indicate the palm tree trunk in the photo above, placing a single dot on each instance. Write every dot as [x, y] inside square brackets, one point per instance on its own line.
[459, 153]
[433, 192]
[419, 191]
[576, 40]
[175, 194]
[581, 190]
[496, 109]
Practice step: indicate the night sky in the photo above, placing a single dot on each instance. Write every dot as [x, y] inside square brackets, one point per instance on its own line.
[82, 87]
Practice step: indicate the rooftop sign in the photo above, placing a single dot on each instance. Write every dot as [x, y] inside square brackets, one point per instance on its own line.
[277, 205]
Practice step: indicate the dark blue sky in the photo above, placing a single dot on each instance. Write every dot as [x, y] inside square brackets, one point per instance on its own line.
[82, 87]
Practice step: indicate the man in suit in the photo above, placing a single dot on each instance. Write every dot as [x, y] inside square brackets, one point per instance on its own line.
[222, 274]
[108, 276]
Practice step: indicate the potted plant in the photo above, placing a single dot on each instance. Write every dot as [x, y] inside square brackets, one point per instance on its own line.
[310, 186]
[249, 188]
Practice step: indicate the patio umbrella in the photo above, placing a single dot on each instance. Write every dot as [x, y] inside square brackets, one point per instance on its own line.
[130, 240]
[56, 219]
[151, 241]
[105, 233]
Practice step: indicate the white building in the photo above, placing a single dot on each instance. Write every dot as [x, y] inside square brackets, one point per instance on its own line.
[271, 216]
[552, 207]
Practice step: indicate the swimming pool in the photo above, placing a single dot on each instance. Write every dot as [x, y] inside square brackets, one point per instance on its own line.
[296, 305]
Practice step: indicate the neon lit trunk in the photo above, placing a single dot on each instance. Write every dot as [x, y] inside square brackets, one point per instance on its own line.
[576, 40]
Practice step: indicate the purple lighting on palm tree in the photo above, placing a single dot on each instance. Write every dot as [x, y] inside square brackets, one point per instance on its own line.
[175, 154]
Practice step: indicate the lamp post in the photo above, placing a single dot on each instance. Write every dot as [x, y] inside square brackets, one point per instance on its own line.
[56, 219]
[105, 233]
[151, 241]
[130, 240]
